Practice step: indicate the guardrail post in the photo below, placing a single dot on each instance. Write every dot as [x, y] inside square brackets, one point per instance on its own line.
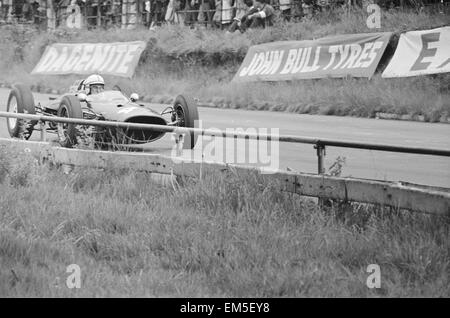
[43, 131]
[320, 158]
[320, 166]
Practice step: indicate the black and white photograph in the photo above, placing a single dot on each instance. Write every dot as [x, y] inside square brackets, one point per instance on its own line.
[224, 156]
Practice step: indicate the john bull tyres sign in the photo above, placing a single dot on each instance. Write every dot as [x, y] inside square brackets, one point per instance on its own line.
[421, 53]
[119, 58]
[355, 54]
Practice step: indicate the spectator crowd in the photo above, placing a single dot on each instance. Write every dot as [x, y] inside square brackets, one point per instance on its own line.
[231, 15]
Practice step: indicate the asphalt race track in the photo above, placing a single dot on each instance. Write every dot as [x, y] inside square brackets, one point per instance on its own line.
[421, 169]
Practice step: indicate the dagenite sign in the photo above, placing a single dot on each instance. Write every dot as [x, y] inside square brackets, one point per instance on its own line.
[119, 58]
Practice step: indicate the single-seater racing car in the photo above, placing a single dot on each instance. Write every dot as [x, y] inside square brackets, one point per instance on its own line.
[87, 99]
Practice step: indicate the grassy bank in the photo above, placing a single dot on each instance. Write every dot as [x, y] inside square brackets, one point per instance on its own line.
[131, 237]
[203, 62]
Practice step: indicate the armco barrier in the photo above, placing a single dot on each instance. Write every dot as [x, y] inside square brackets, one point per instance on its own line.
[319, 143]
[396, 194]
[402, 196]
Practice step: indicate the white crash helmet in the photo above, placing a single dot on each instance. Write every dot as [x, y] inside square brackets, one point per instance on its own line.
[93, 79]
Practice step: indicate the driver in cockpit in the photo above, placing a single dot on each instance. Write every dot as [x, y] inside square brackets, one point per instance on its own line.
[94, 84]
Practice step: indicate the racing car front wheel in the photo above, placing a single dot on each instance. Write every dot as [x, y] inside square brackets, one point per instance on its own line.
[186, 114]
[20, 101]
[69, 107]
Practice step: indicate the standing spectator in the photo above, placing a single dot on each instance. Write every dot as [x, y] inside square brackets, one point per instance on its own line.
[193, 7]
[117, 9]
[157, 12]
[172, 15]
[308, 9]
[35, 11]
[285, 8]
[240, 9]
[50, 11]
[130, 14]
[17, 6]
[296, 10]
[26, 10]
[181, 14]
[224, 14]
[108, 13]
[41, 8]
[4, 7]
[8, 10]
[217, 14]
[90, 7]
[60, 10]
[146, 13]
[206, 12]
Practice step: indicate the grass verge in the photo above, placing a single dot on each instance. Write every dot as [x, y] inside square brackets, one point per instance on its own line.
[133, 238]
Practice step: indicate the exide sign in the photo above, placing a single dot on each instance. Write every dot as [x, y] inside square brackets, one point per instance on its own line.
[421, 53]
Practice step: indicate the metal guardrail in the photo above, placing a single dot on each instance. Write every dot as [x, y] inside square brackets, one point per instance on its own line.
[399, 195]
[319, 143]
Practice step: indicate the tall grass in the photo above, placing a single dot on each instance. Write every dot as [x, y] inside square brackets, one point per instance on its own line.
[203, 62]
[131, 237]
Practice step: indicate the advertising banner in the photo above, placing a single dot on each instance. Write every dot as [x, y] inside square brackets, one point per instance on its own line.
[421, 53]
[119, 58]
[354, 55]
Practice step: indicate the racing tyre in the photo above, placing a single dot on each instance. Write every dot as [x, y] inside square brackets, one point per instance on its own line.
[20, 101]
[69, 107]
[185, 111]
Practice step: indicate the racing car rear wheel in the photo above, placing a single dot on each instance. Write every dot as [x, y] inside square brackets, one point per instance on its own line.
[20, 101]
[69, 107]
[186, 113]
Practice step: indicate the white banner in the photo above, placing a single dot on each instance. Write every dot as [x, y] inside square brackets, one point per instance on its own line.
[118, 58]
[355, 55]
[421, 53]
